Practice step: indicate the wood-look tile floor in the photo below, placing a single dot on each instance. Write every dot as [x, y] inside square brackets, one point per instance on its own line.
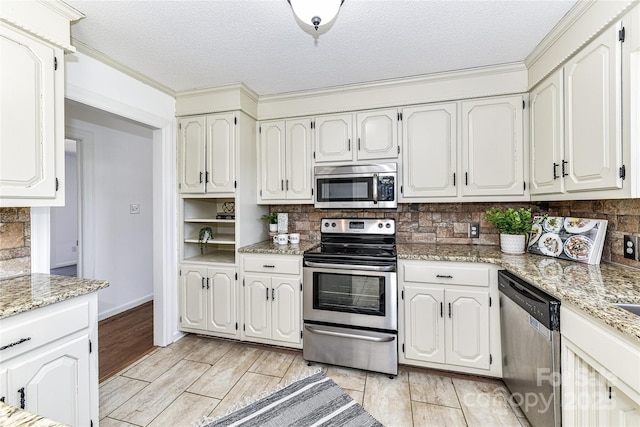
[198, 376]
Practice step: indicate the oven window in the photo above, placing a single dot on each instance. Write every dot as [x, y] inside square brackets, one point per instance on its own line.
[349, 294]
[345, 189]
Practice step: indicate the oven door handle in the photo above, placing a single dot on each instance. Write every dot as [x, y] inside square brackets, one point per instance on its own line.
[350, 266]
[346, 335]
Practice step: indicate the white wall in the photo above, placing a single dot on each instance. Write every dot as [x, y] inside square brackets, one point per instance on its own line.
[64, 219]
[121, 244]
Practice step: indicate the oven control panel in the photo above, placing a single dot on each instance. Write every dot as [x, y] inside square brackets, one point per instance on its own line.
[358, 226]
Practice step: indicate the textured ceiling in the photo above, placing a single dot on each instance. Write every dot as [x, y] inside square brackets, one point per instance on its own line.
[193, 44]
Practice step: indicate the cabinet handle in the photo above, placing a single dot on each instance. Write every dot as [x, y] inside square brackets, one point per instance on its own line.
[449, 310]
[273, 294]
[207, 283]
[454, 179]
[20, 341]
[2, 399]
[555, 168]
[358, 144]
[267, 294]
[268, 266]
[282, 184]
[287, 184]
[22, 399]
[206, 176]
[203, 283]
[200, 177]
[441, 309]
[564, 163]
[349, 144]
[444, 276]
[466, 178]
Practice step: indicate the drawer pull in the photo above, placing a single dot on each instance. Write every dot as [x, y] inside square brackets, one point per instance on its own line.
[443, 276]
[268, 266]
[21, 393]
[20, 341]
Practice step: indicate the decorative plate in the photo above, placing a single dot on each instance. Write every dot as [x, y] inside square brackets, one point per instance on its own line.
[578, 225]
[536, 231]
[229, 207]
[578, 247]
[550, 244]
[553, 224]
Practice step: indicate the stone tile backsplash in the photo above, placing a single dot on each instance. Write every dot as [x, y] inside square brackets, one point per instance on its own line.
[15, 242]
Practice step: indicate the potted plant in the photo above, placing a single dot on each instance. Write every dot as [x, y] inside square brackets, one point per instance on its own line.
[514, 226]
[204, 235]
[272, 220]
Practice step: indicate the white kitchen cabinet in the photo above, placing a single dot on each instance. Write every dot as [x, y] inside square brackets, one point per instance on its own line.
[32, 42]
[272, 299]
[447, 319]
[207, 153]
[49, 361]
[493, 149]
[429, 157]
[208, 300]
[285, 161]
[600, 373]
[376, 136]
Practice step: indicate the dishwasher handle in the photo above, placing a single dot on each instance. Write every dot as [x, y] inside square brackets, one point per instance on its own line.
[525, 293]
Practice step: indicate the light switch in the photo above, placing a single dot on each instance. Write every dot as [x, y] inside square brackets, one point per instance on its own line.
[134, 208]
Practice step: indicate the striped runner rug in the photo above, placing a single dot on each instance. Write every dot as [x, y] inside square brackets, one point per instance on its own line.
[312, 401]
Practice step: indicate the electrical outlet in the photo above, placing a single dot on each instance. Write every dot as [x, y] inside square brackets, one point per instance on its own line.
[631, 247]
[474, 230]
[134, 208]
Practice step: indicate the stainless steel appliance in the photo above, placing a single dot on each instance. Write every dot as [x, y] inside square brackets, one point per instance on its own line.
[530, 324]
[357, 186]
[350, 298]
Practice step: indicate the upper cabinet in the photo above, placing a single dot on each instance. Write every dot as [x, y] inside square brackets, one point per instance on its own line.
[577, 125]
[207, 153]
[493, 147]
[285, 169]
[376, 136]
[32, 102]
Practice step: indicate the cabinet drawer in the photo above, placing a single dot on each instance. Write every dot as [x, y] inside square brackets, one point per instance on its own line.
[450, 275]
[32, 329]
[275, 264]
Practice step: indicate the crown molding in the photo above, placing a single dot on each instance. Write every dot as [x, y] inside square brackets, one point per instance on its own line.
[63, 9]
[97, 55]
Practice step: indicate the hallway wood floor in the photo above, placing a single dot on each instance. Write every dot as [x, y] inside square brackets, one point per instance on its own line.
[197, 376]
[124, 338]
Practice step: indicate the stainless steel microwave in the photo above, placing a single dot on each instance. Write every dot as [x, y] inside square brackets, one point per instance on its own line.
[357, 186]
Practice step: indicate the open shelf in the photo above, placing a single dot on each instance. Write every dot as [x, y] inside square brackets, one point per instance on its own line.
[221, 257]
[221, 239]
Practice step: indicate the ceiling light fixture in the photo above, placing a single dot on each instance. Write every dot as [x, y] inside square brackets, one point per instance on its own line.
[316, 12]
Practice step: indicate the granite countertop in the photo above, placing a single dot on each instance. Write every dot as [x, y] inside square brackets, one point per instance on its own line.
[13, 417]
[268, 247]
[591, 288]
[24, 293]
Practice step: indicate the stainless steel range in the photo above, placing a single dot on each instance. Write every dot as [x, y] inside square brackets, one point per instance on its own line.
[351, 297]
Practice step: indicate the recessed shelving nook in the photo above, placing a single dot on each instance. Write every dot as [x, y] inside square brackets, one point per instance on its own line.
[214, 213]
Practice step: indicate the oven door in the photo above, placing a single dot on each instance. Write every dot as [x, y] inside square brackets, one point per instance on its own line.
[350, 295]
[363, 190]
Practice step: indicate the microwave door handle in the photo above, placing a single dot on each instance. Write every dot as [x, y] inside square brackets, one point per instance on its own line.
[375, 188]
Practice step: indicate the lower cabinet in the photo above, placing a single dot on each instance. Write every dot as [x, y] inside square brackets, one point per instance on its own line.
[208, 300]
[49, 361]
[272, 309]
[449, 316]
[600, 373]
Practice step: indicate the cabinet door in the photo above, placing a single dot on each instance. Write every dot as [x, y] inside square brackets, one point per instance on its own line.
[592, 115]
[221, 138]
[299, 171]
[285, 309]
[27, 123]
[257, 306]
[624, 411]
[221, 287]
[429, 155]
[333, 138]
[192, 155]
[272, 158]
[193, 301]
[377, 135]
[54, 383]
[3, 387]
[467, 328]
[424, 328]
[492, 147]
[546, 136]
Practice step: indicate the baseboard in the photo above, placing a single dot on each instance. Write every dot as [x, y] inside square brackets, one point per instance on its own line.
[124, 307]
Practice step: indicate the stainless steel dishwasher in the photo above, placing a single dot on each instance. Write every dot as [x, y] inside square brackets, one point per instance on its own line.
[530, 330]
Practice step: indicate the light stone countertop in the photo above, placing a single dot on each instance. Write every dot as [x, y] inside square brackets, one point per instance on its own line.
[268, 247]
[591, 288]
[24, 293]
[14, 417]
